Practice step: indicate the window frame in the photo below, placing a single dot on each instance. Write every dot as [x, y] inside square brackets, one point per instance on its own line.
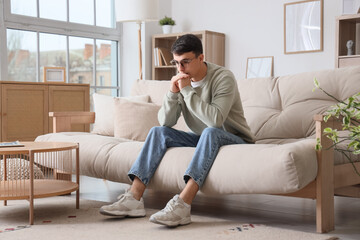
[67, 29]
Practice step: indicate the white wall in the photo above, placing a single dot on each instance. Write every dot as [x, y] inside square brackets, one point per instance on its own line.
[130, 50]
[252, 28]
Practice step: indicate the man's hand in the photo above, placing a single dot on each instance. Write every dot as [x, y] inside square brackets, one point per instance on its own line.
[179, 81]
[183, 82]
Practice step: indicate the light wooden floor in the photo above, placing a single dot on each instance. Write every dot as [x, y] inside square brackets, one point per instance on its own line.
[282, 212]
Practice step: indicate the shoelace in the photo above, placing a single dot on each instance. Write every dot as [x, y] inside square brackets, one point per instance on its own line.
[123, 196]
[170, 206]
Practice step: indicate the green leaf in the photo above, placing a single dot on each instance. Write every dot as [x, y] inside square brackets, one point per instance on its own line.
[317, 85]
[326, 118]
[328, 130]
[318, 144]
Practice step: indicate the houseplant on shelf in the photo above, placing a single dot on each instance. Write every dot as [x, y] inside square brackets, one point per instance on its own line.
[167, 23]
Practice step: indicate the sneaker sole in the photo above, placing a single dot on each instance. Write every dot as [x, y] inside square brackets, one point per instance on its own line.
[184, 221]
[133, 213]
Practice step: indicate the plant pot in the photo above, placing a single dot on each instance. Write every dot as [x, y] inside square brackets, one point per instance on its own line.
[167, 29]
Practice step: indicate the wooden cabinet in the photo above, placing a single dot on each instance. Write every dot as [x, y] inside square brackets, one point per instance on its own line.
[25, 107]
[213, 47]
[69, 99]
[347, 28]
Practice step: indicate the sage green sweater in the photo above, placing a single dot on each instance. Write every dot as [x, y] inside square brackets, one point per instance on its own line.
[216, 103]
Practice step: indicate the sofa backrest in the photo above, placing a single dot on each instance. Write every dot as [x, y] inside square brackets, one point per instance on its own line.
[284, 107]
[154, 88]
[279, 107]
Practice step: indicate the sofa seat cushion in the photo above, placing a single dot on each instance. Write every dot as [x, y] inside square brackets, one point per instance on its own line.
[94, 149]
[247, 168]
[339, 158]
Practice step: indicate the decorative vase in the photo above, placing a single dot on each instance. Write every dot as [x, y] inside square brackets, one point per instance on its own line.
[167, 29]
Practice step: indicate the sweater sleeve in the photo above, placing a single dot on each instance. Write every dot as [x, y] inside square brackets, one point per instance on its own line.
[170, 110]
[212, 114]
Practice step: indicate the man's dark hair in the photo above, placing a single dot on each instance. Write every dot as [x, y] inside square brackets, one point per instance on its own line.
[187, 43]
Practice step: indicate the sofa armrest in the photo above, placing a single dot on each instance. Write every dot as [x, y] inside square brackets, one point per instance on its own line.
[62, 121]
[325, 176]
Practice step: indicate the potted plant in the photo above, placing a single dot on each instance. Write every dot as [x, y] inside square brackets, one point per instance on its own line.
[348, 112]
[167, 23]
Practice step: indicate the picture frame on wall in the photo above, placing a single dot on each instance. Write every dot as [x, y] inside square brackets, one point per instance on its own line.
[54, 74]
[303, 26]
[260, 67]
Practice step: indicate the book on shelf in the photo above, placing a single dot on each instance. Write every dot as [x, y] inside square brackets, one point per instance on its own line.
[11, 144]
[166, 56]
[162, 57]
[156, 63]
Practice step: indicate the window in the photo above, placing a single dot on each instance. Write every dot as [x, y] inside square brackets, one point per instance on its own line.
[53, 9]
[79, 14]
[81, 60]
[24, 7]
[52, 51]
[21, 55]
[61, 33]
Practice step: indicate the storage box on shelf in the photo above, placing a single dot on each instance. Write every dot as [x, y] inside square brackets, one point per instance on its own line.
[213, 46]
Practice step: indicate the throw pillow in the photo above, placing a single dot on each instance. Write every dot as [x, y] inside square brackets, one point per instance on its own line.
[104, 112]
[133, 120]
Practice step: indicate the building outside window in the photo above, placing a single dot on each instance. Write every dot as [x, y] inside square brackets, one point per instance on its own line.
[61, 33]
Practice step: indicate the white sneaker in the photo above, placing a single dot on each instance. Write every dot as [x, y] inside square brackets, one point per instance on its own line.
[176, 212]
[127, 205]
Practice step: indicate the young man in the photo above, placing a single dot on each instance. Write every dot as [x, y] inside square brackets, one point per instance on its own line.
[208, 97]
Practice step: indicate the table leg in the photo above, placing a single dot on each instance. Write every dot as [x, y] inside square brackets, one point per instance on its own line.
[31, 193]
[5, 175]
[77, 178]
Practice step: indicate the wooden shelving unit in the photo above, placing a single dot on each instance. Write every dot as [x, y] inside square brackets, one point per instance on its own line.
[347, 28]
[213, 46]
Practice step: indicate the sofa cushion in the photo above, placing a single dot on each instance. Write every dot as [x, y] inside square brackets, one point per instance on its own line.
[283, 168]
[104, 112]
[93, 148]
[133, 120]
[155, 89]
[284, 107]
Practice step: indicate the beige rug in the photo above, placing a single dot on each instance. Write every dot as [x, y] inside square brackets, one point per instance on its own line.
[57, 218]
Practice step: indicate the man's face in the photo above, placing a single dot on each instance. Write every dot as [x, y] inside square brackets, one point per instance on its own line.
[188, 63]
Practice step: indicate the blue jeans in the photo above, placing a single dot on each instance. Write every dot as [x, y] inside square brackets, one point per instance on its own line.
[160, 139]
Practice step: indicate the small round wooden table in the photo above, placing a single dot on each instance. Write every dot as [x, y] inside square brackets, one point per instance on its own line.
[38, 170]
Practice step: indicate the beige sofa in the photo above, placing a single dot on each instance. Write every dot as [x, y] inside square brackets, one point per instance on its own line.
[280, 111]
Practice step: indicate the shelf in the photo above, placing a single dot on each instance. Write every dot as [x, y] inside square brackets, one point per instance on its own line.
[350, 56]
[213, 48]
[15, 190]
[347, 28]
[351, 18]
[171, 67]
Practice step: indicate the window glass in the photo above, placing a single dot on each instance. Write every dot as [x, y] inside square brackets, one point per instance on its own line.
[21, 52]
[81, 11]
[107, 91]
[81, 59]
[105, 13]
[52, 52]
[53, 9]
[24, 7]
[106, 64]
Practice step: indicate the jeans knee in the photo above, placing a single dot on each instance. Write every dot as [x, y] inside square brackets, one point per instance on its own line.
[158, 130]
[210, 131]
